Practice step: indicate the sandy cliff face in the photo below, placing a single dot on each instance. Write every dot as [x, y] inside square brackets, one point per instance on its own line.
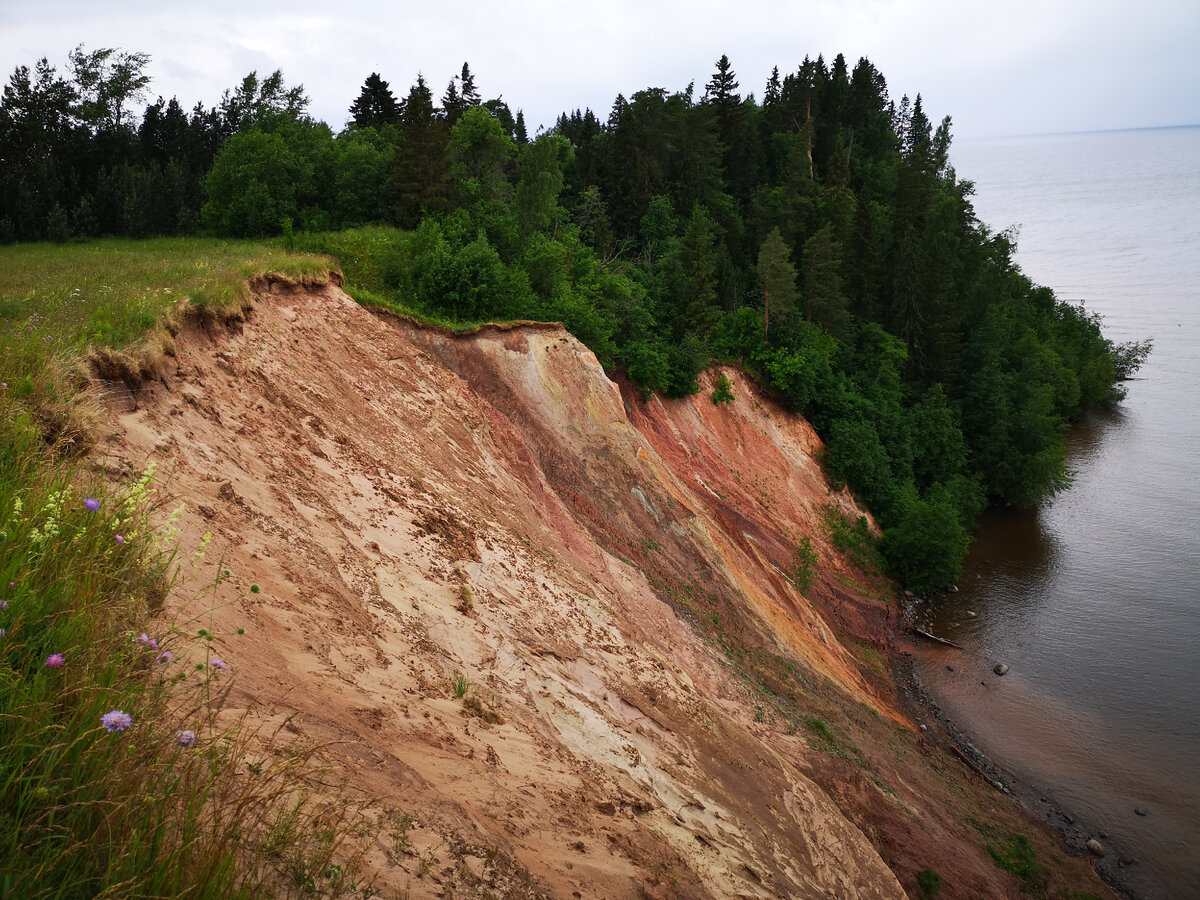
[651, 707]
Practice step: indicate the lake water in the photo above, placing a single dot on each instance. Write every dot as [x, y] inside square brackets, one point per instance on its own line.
[1094, 600]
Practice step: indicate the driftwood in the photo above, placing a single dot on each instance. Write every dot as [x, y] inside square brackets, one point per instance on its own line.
[934, 637]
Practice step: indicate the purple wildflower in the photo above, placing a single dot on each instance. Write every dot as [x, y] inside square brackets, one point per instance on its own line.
[3, 633]
[165, 657]
[92, 503]
[146, 641]
[186, 738]
[55, 661]
[116, 720]
[217, 664]
[120, 538]
[3, 604]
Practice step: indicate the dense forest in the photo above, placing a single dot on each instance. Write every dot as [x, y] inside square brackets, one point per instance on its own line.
[819, 237]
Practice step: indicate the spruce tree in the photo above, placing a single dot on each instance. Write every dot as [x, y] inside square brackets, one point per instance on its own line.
[452, 104]
[777, 278]
[468, 92]
[421, 166]
[376, 105]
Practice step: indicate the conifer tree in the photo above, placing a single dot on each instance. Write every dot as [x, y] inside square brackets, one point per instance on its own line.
[824, 300]
[777, 278]
[452, 103]
[421, 166]
[468, 92]
[376, 105]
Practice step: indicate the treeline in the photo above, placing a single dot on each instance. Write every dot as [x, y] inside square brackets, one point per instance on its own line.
[819, 237]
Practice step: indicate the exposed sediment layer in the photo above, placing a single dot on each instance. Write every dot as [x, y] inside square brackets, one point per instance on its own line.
[551, 621]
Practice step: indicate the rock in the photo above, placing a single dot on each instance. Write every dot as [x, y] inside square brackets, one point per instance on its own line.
[972, 614]
[1126, 861]
[953, 589]
[1000, 668]
[1139, 811]
[949, 668]
[1103, 835]
[1095, 847]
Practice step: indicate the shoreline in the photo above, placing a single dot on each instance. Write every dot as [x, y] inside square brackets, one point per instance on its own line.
[946, 737]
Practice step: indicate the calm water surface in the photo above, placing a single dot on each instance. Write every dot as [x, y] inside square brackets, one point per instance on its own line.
[1094, 600]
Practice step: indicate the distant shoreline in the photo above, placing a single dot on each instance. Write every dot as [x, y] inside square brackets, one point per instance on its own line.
[987, 138]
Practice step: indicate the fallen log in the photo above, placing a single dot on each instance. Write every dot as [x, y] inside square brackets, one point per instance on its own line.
[934, 637]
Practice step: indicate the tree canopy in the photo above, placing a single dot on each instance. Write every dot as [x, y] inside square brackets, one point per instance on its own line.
[821, 237]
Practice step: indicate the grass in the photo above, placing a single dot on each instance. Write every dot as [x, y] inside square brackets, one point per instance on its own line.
[115, 303]
[1015, 854]
[852, 538]
[115, 779]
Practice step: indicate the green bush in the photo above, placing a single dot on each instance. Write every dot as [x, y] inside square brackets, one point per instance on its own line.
[722, 394]
[804, 565]
[929, 881]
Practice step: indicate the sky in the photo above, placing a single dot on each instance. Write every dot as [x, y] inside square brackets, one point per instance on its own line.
[996, 68]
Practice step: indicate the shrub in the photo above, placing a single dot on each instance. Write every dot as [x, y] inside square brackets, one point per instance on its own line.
[929, 881]
[804, 565]
[722, 394]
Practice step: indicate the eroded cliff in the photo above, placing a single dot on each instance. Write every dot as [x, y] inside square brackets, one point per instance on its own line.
[549, 625]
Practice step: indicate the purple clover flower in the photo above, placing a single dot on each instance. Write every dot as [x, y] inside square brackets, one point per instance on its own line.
[116, 720]
[165, 657]
[120, 538]
[55, 661]
[146, 641]
[218, 664]
[186, 738]
[92, 503]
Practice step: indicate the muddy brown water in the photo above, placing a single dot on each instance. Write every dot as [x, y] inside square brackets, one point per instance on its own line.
[1094, 601]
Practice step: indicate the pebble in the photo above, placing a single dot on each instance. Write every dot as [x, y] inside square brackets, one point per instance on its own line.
[1104, 835]
[1000, 668]
[949, 668]
[1095, 847]
[1139, 811]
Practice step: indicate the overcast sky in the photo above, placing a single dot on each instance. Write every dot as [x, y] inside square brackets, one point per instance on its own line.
[997, 68]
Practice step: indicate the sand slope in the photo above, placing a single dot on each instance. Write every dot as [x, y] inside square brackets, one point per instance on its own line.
[420, 509]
